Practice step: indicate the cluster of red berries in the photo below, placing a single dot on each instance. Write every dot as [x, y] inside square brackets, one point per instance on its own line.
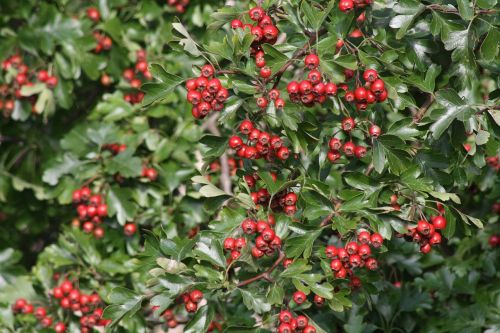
[267, 242]
[283, 201]
[104, 43]
[427, 234]
[313, 89]
[93, 14]
[234, 247]
[179, 5]
[347, 6]
[91, 209]
[114, 148]
[349, 148]
[264, 31]
[149, 173]
[191, 300]
[206, 93]
[354, 255]
[90, 305]
[290, 324]
[493, 162]
[23, 306]
[300, 297]
[372, 92]
[259, 144]
[136, 76]
[19, 75]
[273, 95]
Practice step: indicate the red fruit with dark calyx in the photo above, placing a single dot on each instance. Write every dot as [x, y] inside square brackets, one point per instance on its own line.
[349, 148]
[348, 124]
[435, 238]
[299, 297]
[426, 248]
[229, 244]
[129, 229]
[364, 237]
[309, 329]
[360, 151]
[423, 227]
[374, 131]
[207, 71]
[249, 226]
[235, 24]
[235, 142]
[311, 61]
[376, 240]
[283, 153]
[196, 296]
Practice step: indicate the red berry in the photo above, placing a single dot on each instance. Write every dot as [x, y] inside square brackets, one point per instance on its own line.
[257, 32]
[331, 89]
[435, 238]
[305, 87]
[341, 274]
[370, 75]
[371, 264]
[51, 81]
[256, 253]
[60, 328]
[129, 229]
[66, 287]
[376, 240]
[93, 14]
[293, 87]
[302, 321]
[349, 96]
[349, 148]
[196, 296]
[279, 103]
[318, 300]
[377, 87]
[314, 76]
[262, 102]
[268, 234]
[352, 247]
[348, 124]
[256, 13]
[426, 248]
[207, 71]
[364, 237]
[285, 328]
[439, 222]
[270, 32]
[364, 251]
[214, 85]
[191, 306]
[360, 94]
[235, 142]
[235, 24]
[309, 329]
[43, 75]
[229, 244]
[331, 251]
[299, 297]
[265, 21]
[360, 151]
[311, 61]
[374, 131]
[46, 322]
[283, 153]
[249, 226]
[423, 227]
[246, 127]
[494, 240]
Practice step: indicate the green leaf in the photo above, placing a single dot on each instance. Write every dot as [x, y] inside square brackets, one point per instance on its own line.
[254, 302]
[410, 10]
[378, 156]
[200, 321]
[124, 164]
[298, 245]
[489, 47]
[211, 251]
[68, 164]
[466, 9]
[455, 108]
[120, 203]
[160, 90]
[125, 304]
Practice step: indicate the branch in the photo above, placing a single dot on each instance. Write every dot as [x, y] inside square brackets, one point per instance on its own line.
[297, 54]
[265, 275]
[449, 10]
[225, 176]
[369, 169]
[326, 220]
[423, 109]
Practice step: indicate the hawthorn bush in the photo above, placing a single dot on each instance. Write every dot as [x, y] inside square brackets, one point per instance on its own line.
[270, 166]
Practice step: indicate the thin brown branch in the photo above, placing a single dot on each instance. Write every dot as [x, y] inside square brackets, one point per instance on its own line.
[369, 169]
[423, 109]
[225, 175]
[327, 219]
[265, 275]
[296, 55]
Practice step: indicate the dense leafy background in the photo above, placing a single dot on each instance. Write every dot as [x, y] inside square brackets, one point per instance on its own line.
[439, 60]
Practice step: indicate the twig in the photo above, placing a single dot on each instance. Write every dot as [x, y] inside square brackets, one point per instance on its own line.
[225, 177]
[449, 10]
[265, 275]
[297, 54]
[423, 109]
[326, 220]
[369, 169]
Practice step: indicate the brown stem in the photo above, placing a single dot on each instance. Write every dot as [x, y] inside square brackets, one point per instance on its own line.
[265, 275]
[326, 220]
[297, 54]
[369, 169]
[225, 177]
[423, 109]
